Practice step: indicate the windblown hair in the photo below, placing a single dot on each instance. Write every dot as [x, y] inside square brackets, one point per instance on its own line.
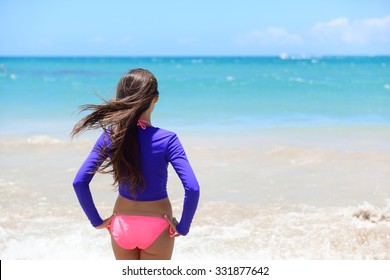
[134, 95]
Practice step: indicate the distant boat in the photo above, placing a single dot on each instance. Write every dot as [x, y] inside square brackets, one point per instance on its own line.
[284, 56]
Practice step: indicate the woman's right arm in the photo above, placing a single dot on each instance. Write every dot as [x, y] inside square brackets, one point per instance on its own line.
[85, 175]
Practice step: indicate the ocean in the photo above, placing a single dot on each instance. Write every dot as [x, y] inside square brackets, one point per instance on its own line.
[292, 154]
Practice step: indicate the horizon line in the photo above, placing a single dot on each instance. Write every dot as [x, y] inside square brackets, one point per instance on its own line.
[282, 56]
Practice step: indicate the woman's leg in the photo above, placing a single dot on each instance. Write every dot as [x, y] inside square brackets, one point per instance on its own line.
[124, 254]
[161, 248]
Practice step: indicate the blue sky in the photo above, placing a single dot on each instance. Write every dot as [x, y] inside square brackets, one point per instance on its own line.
[195, 28]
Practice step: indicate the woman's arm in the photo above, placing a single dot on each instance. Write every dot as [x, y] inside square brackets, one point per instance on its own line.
[85, 175]
[177, 157]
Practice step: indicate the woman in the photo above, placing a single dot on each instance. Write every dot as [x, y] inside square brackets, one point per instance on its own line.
[137, 154]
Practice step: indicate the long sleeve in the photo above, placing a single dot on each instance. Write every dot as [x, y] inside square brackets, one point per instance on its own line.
[84, 177]
[177, 157]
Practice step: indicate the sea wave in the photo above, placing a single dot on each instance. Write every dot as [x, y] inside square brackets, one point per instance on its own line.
[43, 141]
[220, 230]
[300, 232]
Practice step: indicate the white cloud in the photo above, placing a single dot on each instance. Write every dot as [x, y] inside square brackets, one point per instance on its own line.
[356, 32]
[269, 36]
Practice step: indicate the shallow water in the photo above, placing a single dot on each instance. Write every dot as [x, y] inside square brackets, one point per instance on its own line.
[260, 200]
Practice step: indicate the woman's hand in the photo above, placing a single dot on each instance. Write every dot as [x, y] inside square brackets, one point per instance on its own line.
[173, 223]
[106, 223]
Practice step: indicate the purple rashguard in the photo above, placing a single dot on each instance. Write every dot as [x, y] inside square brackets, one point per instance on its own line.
[158, 148]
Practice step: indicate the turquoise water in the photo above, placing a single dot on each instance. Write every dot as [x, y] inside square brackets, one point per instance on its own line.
[41, 95]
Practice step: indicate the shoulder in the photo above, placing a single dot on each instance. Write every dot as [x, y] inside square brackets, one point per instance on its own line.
[165, 134]
[168, 139]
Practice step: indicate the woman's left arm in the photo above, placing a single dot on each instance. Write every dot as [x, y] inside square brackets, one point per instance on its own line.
[178, 158]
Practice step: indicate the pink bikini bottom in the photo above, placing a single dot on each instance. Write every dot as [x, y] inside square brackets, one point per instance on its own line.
[131, 232]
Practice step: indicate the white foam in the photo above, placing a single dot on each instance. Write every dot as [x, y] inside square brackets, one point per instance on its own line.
[42, 140]
[220, 231]
[53, 238]
[197, 61]
[38, 140]
[373, 214]
[301, 233]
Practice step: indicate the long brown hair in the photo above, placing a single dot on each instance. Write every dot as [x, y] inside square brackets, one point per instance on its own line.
[134, 95]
